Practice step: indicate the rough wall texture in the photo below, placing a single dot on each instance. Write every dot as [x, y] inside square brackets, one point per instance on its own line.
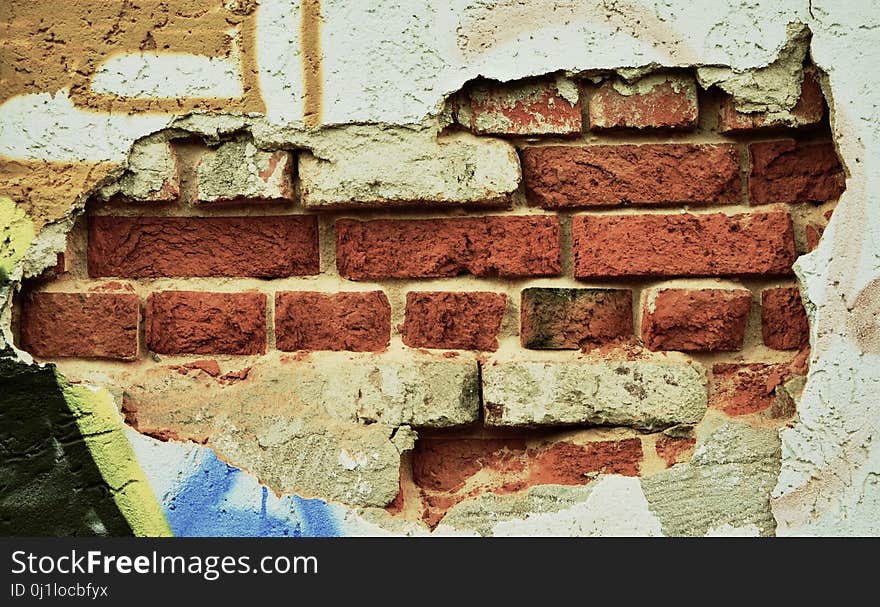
[364, 291]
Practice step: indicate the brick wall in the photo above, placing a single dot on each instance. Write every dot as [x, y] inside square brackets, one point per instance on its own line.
[640, 274]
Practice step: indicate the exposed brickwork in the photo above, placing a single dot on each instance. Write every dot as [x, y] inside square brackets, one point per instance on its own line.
[674, 450]
[667, 102]
[696, 320]
[532, 107]
[238, 171]
[308, 320]
[742, 389]
[809, 110]
[446, 471]
[786, 171]
[424, 248]
[88, 325]
[465, 321]
[154, 247]
[683, 245]
[566, 463]
[783, 319]
[190, 322]
[569, 319]
[651, 174]
[449, 335]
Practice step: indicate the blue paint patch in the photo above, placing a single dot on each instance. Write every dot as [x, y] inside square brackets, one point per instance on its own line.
[218, 500]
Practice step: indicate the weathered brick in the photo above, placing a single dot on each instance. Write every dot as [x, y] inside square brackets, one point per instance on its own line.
[153, 247]
[741, 389]
[449, 470]
[683, 245]
[528, 107]
[658, 101]
[787, 171]
[508, 246]
[362, 166]
[238, 170]
[696, 320]
[87, 325]
[445, 464]
[809, 110]
[566, 463]
[642, 394]
[390, 388]
[152, 175]
[784, 323]
[657, 173]
[674, 450]
[463, 321]
[191, 322]
[570, 319]
[307, 320]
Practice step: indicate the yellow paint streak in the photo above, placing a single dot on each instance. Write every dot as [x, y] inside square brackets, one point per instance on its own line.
[101, 426]
[310, 39]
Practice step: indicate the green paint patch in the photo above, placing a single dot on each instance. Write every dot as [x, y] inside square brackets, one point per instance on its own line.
[101, 426]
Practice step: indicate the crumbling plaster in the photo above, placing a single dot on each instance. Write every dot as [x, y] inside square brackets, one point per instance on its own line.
[389, 70]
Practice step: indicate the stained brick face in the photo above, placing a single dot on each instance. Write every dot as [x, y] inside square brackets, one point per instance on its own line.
[569, 319]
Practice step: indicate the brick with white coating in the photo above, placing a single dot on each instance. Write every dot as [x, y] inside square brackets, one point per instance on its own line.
[527, 107]
[239, 170]
[662, 101]
[360, 167]
[152, 174]
[641, 394]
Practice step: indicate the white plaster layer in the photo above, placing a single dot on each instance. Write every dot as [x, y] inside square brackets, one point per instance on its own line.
[165, 75]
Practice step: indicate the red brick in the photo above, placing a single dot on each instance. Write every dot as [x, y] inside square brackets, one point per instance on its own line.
[683, 245]
[462, 321]
[651, 174]
[674, 450]
[784, 323]
[509, 246]
[696, 320]
[570, 319]
[669, 104]
[446, 464]
[306, 320]
[532, 107]
[809, 110]
[565, 463]
[741, 389]
[153, 247]
[786, 171]
[86, 325]
[190, 322]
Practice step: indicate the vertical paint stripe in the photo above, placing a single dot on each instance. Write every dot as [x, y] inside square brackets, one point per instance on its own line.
[100, 424]
[310, 39]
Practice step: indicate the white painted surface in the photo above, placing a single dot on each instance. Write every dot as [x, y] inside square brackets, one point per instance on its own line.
[169, 76]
